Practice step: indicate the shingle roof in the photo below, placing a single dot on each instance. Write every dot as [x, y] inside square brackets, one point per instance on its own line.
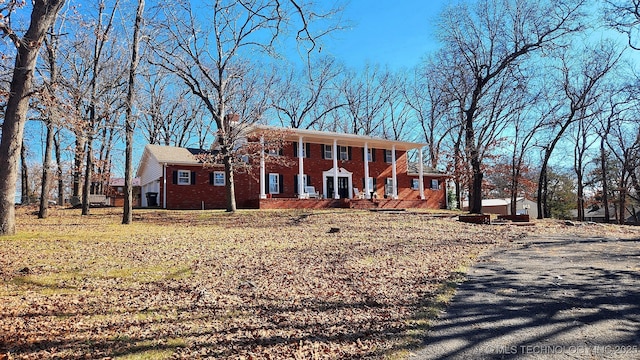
[174, 155]
[120, 181]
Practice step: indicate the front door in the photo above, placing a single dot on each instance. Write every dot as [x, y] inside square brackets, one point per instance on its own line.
[343, 187]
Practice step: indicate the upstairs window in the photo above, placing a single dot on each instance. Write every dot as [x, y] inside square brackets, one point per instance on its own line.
[344, 152]
[305, 149]
[327, 152]
[387, 156]
[370, 157]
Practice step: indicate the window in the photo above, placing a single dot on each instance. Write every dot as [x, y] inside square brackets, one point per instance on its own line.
[388, 186]
[387, 156]
[305, 182]
[370, 155]
[344, 153]
[415, 184]
[328, 151]
[218, 178]
[434, 184]
[372, 186]
[305, 149]
[274, 183]
[184, 177]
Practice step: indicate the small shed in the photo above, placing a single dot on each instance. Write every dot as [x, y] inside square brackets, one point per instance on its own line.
[115, 192]
[503, 207]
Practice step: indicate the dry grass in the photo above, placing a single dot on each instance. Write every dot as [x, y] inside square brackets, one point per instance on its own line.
[256, 284]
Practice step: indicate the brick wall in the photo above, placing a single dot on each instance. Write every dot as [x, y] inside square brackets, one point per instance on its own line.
[201, 192]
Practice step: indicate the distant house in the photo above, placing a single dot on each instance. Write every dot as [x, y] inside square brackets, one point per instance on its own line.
[597, 214]
[115, 192]
[503, 207]
[325, 169]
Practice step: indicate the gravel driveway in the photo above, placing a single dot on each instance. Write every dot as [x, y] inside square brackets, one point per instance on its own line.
[545, 298]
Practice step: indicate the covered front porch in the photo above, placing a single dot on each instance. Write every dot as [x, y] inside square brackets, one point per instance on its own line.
[339, 176]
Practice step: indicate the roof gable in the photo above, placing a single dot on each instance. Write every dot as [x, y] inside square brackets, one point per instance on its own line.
[173, 155]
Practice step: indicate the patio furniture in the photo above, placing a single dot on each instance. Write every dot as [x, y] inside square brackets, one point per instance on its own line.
[312, 192]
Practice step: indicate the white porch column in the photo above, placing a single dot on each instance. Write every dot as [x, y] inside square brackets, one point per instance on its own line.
[336, 195]
[394, 172]
[421, 178]
[301, 183]
[164, 186]
[367, 190]
[263, 192]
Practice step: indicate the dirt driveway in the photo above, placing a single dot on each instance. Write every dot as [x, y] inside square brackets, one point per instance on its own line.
[545, 298]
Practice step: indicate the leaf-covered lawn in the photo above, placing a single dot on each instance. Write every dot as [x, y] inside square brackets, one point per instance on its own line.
[252, 285]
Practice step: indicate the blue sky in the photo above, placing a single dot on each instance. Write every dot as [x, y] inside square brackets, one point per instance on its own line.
[397, 34]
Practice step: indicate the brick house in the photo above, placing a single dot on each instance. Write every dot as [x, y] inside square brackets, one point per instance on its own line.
[337, 170]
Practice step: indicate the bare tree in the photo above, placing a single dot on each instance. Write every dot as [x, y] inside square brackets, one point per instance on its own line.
[526, 126]
[212, 59]
[304, 99]
[169, 114]
[50, 114]
[127, 215]
[624, 145]
[429, 106]
[624, 16]
[366, 94]
[581, 77]
[42, 16]
[490, 40]
[102, 31]
[397, 124]
[584, 137]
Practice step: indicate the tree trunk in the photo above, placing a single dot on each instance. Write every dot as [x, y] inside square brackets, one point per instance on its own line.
[46, 166]
[87, 176]
[475, 198]
[58, 151]
[542, 187]
[230, 184]
[514, 194]
[623, 200]
[127, 216]
[544, 211]
[15, 116]
[24, 180]
[475, 191]
[580, 198]
[605, 185]
[78, 160]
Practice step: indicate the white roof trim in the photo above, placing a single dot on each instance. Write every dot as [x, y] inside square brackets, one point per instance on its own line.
[327, 137]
